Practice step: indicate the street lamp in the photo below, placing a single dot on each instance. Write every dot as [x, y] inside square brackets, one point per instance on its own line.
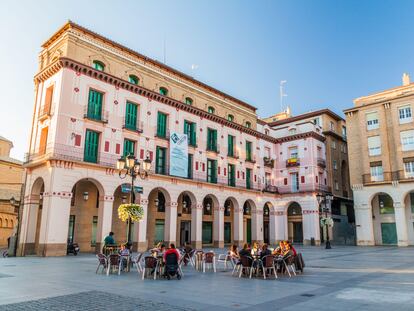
[130, 165]
[327, 198]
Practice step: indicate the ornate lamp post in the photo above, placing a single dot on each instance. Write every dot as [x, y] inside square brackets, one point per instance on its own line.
[132, 167]
[327, 198]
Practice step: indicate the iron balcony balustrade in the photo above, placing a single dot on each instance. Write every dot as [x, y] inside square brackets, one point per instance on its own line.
[306, 187]
[387, 177]
[252, 159]
[137, 128]
[270, 188]
[215, 149]
[164, 136]
[44, 112]
[291, 162]
[268, 162]
[102, 118]
[321, 162]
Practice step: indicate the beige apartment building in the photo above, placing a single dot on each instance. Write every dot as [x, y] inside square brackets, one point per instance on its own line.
[11, 179]
[381, 129]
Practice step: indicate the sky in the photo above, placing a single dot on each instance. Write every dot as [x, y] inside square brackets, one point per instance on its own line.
[329, 52]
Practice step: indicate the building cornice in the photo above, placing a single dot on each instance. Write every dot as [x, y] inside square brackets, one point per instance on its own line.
[78, 67]
[305, 116]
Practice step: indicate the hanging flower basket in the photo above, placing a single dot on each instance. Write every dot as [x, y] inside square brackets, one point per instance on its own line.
[130, 210]
[327, 221]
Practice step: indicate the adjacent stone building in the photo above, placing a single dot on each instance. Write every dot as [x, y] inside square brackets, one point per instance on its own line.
[11, 179]
[381, 129]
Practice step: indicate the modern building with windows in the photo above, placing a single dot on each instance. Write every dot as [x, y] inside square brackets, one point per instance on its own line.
[381, 155]
[238, 178]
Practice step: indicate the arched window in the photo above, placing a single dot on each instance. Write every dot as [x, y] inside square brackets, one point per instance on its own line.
[133, 79]
[248, 124]
[188, 101]
[98, 65]
[163, 91]
[11, 223]
[208, 206]
[6, 223]
[247, 209]
[211, 110]
[230, 117]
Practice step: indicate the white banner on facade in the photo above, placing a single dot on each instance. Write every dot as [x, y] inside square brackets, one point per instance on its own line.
[179, 155]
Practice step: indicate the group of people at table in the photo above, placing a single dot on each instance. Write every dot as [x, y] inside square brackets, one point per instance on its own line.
[255, 251]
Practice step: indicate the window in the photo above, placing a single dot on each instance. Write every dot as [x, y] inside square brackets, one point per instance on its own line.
[385, 204]
[211, 110]
[332, 126]
[344, 132]
[230, 145]
[211, 171]
[129, 147]
[91, 146]
[336, 185]
[94, 230]
[404, 114]
[377, 173]
[409, 169]
[211, 140]
[45, 110]
[163, 91]
[98, 65]
[133, 79]
[268, 179]
[292, 131]
[248, 151]
[190, 166]
[230, 118]
[231, 177]
[294, 180]
[95, 105]
[407, 140]
[293, 152]
[372, 120]
[162, 125]
[190, 130]
[317, 121]
[267, 132]
[335, 165]
[43, 140]
[131, 112]
[248, 124]
[333, 144]
[248, 178]
[188, 101]
[160, 161]
[374, 145]
[267, 152]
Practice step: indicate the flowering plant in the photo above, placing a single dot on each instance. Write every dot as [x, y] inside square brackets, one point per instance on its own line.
[130, 210]
[327, 221]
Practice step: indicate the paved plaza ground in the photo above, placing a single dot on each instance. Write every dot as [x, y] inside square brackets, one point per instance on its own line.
[343, 278]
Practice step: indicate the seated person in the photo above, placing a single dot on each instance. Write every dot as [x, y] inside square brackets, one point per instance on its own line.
[278, 250]
[234, 252]
[265, 251]
[171, 250]
[255, 249]
[187, 251]
[124, 252]
[245, 250]
[287, 250]
[292, 248]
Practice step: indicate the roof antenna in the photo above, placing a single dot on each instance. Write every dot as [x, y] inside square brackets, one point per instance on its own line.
[282, 94]
[165, 49]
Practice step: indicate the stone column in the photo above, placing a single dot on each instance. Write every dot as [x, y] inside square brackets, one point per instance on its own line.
[311, 227]
[218, 227]
[281, 226]
[104, 220]
[170, 234]
[28, 227]
[196, 225]
[238, 226]
[273, 235]
[257, 226]
[401, 224]
[55, 224]
[139, 239]
[364, 225]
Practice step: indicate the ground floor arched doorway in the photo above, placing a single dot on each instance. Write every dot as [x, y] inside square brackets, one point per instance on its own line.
[247, 222]
[266, 222]
[295, 223]
[158, 202]
[185, 206]
[383, 216]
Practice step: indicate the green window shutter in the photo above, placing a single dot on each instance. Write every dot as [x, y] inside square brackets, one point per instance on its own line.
[248, 151]
[231, 175]
[230, 146]
[91, 146]
[212, 171]
[162, 125]
[215, 140]
[131, 111]
[248, 178]
[193, 137]
[95, 105]
[190, 166]
[160, 161]
[129, 147]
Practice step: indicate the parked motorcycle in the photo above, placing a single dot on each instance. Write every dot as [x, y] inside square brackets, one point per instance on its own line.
[73, 248]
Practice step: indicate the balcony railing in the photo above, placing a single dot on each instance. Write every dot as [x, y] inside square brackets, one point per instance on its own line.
[70, 153]
[252, 159]
[235, 155]
[292, 162]
[44, 112]
[270, 188]
[103, 118]
[160, 135]
[321, 162]
[387, 177]
[215, 148]
[304, 188]
[139, 127]
[268, 162]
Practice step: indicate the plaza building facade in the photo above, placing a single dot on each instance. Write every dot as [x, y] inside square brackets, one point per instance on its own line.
[11, 180]
[97, 101]
[381, 155]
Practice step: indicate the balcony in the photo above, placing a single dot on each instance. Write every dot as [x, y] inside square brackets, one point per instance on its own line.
[252, 159]
[309, 187]
[291, 162]
[213, 148]
[268, 162]
[103, 118]
[165, 136]
[138, 128]
[321, 162]
[234, 155]
[44, 112]
[387, 177]
[270, 189]
[70, 153]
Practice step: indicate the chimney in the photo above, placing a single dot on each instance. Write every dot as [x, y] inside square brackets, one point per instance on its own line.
[405, 79]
